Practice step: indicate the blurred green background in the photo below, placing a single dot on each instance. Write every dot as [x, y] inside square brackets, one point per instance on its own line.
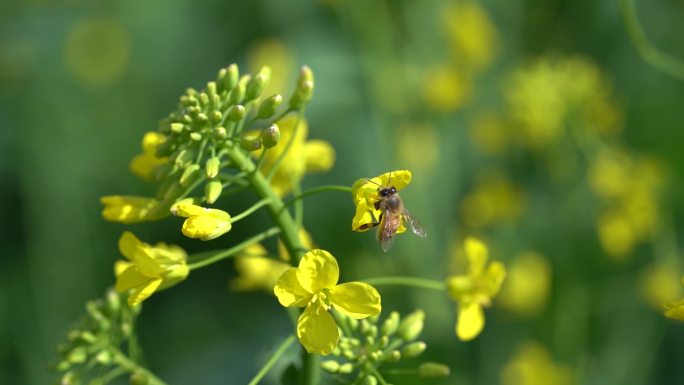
[503, 110]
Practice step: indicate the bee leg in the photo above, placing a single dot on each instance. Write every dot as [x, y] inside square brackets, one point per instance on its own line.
[377, 205]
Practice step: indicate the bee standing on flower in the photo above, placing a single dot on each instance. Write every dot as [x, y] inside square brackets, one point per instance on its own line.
[387, 210]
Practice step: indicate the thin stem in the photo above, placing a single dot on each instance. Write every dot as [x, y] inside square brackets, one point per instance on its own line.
[250, 210]
[422, 283]
[112, 374]
[287, 148]
[271, 361]
[213, 257]
[648, 52]
[316, 190]
[379, 376]
[260, 161]
[299, 206]
[132, 367]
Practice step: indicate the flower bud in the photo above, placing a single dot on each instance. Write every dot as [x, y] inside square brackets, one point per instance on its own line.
[189, 174]
[88, 337]
[228, 77]
[177, 127]
[211, 167]
[104, 357]
[220, 133]
[237, 94]
[250, 142]
[270, 136]
[236, 113]
[269, 107]
[62, 366]
[204, 99]
[391, 324]
[412, 325]
[346, 368]
[211, 89]
[69, 378]
[394, 356]
[113, 301]
[184, 157]
[433, 370]
[216, 117]
[139, 378]
[301, 96]
[370, 380]
[196, 136]
[212, 190]
[384, 341]
[330, 366]
[77, 356]
[305, 75]
[414, 349]
[256, 85]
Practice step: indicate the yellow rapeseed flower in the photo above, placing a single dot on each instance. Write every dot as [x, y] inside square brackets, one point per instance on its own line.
[471, 35]
[365, 194]
[148, 268]
[303, 156]
[129, 209]
[533, 365]
[144, 164]
[528, 284]
[494, 199]
[203, 223]
[659, 283]
[475, 289]
[314, 284]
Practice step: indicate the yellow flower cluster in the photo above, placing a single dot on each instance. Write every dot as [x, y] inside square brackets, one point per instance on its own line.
[313, 284]
[533, 365]
[494, 199]
[144, 164]
[476, 289]
[528, 284]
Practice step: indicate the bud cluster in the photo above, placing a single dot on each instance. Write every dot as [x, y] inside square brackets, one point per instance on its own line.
[95, 345]
[365, 345]
[214, 120]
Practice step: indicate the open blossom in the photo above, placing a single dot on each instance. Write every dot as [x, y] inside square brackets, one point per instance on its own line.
[144, 164]
[314, 285]
[475, 290]
[148, 268]
[365, 195]
[203, 223]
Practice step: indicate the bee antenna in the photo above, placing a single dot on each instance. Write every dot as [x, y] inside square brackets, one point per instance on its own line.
[375, 183]
[389, 181]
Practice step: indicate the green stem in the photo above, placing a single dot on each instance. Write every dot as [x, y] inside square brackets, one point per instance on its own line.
[648, 52]
[316, 190]
[271, 361]
[213, 257]
[298, 205]
[422, 283]
[377, 374]
[250, 210]
[132, 367]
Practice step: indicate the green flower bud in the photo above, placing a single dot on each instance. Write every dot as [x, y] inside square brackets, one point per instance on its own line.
[212, 190]
[191, 91]
[370, 380]
[301, 96]
[256, 85]
[270, 136]
[412, 325]
[391, 324]
[104, 357]
[384, 341]
[216, 117]
[184, 158]
[88, 337]
[69, 378]
[62, 366]
[433, 370]
[250, 142]
[413, 350]
[237, 94]
[220, 133]
[126, 329]
[77, 356]
[93, 309]
[330, 366]
[139, 378]
[113, 301]
[187, 119]
[212, 166]
[269, 107]
[177, 127]
[204, 99]
[364, 326]
[236, 113]
[228, 77]
[211, 89]
[353, 323]
[394, 356]
[189, 174]
[73, 335]
[305, 75]
[375, 356]
[370, 340]
[196, 136]
[346, 368]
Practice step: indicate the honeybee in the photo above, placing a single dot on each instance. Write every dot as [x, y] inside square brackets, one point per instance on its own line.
[392, 212]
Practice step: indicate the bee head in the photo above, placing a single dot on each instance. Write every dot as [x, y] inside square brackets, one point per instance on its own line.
[387, 191]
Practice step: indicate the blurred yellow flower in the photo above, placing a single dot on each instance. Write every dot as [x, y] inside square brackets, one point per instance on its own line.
[304, 156]
[365, 195]
[97, 51]
[493, 199]
[445, 88]
[144, 164]
[533, 365]
[148, 268]
[203, 223]
[419, 147]
[489, 133]
[528, 284]
[257, 269]
[475, 289]
[314, 284]
[129, 209]
[659, 284]
[472, 36]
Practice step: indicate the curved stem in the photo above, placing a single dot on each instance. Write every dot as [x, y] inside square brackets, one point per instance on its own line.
[132, 367]
[271, 361]
[317, 190]
[250, 210]
[422, 283]
[648, 52]
[213, 257]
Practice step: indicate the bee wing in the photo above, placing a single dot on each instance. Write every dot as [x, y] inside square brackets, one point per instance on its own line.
[414, 223]
[386, 232]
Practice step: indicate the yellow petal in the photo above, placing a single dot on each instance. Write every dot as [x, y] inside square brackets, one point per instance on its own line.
[143, 292]
[128, 244]
[129, 279]
[459, 287]
[363, 219]
[317, 331]
[206, 227]
[470, 321]
[289, 291]
[320, 156]
[492, 279]
[675, 310]
[174, 275]
[145, 262]
[477, 253]
[127, 209]
[120, 266]
[318, 270]
[151, 140]
[356, 299]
